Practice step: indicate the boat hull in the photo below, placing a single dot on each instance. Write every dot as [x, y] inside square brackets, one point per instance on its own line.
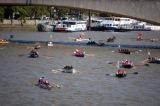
[126, 66]
[121, 75]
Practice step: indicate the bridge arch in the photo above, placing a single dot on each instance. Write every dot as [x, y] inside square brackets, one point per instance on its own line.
[145, 10]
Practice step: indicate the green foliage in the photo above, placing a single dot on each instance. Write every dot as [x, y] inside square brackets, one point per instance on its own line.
[41, 10]
[62, 12]
[33, 11]
[1, 12]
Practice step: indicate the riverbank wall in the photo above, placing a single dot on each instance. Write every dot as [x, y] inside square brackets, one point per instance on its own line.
[6, 22]
[143, 46]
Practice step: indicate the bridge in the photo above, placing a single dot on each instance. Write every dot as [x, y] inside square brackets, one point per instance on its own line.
[145, 10]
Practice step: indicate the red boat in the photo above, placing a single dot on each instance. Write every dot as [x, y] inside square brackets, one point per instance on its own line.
[78, 53]
[126, 64]
[121, 73]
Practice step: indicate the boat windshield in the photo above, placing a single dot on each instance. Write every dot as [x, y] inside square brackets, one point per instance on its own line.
[70, 23]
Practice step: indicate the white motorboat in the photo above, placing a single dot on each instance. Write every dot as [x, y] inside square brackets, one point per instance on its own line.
[50, 44]
[70, 26]
[81, 39]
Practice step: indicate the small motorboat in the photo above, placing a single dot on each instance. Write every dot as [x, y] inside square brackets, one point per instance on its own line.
[68, 69]
[81, 39]
[44, 86]
[153, 60]
[78, 53]
[37, 46]
[121, 73]
[3, 41]
[33, 54]
[124, 51]
[154, 39]
[126, 64]
[50, 44]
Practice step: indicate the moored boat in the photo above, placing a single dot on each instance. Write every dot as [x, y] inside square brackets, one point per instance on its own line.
[70, 26]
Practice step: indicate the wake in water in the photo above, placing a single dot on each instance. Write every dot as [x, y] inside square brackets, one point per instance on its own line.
[61, 70]
[90, 54]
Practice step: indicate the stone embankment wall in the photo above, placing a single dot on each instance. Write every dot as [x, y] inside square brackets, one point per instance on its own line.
[20, 22]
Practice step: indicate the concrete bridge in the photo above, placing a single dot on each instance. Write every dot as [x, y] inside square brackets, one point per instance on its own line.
[145, 10]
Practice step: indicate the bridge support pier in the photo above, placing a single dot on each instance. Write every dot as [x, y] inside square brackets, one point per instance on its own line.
[89, 20]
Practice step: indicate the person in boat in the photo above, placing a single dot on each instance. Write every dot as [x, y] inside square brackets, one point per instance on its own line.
[121, 73]
[40, 80]
[68, 67]
[11, 37]
[78, 52]
[81, 36]
[37, 47]
[34, 53]
[139, 36]
[46, 83]
[111, 39]
[151, 58]
[126, 64]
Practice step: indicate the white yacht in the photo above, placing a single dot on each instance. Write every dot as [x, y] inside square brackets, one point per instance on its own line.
[140, 26]
[50, 44]
[115, 23]
[122, 24]
[70, 25]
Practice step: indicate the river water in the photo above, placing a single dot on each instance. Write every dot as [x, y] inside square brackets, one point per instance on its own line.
[90, 86]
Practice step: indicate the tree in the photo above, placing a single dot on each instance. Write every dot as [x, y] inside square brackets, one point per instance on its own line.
[41, 10]
[8, 12]
[62, 12]
[1, 14]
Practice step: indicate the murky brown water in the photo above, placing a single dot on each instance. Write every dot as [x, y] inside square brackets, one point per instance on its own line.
[89, 87]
